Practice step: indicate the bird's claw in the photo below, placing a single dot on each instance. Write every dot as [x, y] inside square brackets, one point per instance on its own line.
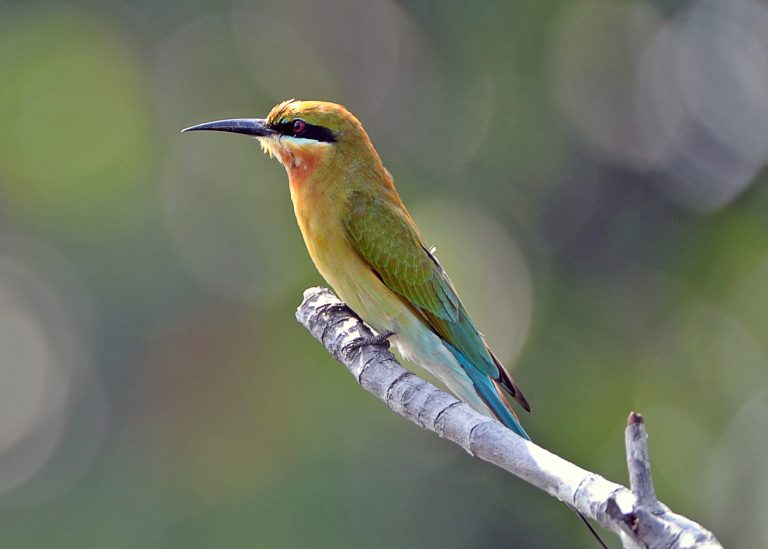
[379, 340]
[338, 307]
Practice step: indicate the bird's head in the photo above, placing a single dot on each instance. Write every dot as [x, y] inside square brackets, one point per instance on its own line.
[299, 133]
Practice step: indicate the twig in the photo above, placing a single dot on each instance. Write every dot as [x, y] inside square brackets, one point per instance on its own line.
[636, 516]
[638, 460]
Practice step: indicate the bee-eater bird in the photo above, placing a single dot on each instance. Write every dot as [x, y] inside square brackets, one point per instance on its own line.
[366, 245]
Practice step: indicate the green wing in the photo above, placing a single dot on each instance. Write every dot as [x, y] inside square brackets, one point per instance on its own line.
[386, 239]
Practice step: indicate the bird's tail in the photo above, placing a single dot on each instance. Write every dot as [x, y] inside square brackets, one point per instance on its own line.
[492, 397]
[589, 526]
[489, 393]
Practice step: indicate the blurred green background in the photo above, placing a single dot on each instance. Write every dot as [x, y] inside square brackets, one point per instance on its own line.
[592, 174]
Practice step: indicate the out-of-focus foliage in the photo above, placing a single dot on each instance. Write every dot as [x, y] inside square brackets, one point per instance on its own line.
[592, 173]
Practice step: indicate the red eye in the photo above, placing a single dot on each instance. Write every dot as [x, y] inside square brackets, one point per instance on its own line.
[298, 126]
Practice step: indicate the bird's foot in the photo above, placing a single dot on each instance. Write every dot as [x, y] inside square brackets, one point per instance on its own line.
[379, 340]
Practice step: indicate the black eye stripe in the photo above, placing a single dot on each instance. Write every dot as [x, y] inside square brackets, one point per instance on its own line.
[310, 131]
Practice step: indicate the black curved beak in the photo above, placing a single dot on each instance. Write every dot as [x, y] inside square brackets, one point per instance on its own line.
[256, 127]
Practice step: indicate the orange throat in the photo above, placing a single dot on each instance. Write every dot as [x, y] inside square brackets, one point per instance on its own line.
[299, 161]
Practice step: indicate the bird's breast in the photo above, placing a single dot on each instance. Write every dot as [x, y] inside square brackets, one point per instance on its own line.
[321, 225]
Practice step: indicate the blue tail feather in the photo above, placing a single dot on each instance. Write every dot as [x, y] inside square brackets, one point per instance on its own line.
[487, 391]
[488, 394]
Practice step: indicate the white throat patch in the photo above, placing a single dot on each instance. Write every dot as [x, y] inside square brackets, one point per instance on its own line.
[288, 149]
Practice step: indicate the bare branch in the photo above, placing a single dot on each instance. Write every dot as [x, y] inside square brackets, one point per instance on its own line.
[636, 516]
